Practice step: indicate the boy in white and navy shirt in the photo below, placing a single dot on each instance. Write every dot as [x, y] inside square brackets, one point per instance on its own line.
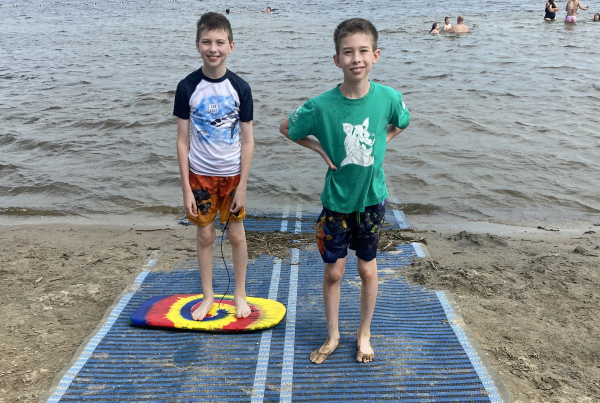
[215, 157]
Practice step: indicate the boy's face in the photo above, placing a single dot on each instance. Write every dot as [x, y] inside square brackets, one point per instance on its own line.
[356, 57]
[214, 47]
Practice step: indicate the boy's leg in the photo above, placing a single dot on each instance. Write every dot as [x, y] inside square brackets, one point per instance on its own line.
[239, 250]
[365, 242]
[205, 239]
[203, 188]
[368, 296]
[334, 272]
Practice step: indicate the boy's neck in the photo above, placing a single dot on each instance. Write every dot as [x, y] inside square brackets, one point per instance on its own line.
[355, 90]
[215, 74]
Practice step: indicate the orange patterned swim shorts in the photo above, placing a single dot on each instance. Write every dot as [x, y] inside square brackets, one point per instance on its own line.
[214, 194]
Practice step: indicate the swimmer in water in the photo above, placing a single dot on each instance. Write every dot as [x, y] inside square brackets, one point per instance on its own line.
[268, 10]
[596, 17]
[551, 9]
[460, 27]
[447, 24]
[572, 7]
[435, 28]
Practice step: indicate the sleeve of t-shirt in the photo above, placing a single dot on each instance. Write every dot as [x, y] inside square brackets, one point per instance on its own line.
[400, 114]
[302, 121]
[182, 102]
[246, 104]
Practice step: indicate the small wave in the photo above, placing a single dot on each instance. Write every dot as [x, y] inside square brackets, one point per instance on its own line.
[437, 77]
[420, 209]
[19, 211]
[514, 193]
[8, 167]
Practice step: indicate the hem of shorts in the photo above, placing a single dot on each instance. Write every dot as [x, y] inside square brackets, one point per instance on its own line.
[231, 219]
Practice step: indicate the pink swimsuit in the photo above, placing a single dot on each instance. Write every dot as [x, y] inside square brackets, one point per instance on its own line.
[571, 18]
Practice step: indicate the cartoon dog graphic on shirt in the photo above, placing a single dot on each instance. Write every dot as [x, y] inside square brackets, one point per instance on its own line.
[359, 144]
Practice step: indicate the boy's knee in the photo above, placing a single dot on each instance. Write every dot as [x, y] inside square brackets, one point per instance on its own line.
[367, 270]
[206, 237]
[236, 235]
[334, 274]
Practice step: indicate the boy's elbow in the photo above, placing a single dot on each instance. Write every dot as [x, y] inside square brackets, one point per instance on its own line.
[284, 128]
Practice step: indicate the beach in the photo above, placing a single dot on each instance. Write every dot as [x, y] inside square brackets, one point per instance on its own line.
[530, 299]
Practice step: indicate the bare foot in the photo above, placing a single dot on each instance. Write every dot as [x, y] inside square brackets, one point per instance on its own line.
[203, 309]
[242, 310]
[322, 353]
[364, 350]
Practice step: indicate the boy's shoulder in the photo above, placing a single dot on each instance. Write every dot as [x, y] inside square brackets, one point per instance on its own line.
[236, 80]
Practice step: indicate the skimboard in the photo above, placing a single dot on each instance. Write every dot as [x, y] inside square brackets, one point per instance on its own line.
[175, 312]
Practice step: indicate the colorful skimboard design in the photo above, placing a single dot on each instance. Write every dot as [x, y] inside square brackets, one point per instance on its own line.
[175, 312]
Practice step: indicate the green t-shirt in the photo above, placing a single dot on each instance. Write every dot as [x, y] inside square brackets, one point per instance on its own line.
[353, 134]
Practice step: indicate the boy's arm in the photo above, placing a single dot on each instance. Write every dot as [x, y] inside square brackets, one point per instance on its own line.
[309, 142]
[183, 149]
[247, 141]
[392, 131]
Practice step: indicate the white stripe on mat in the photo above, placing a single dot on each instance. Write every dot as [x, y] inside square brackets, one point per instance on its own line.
[284, 217]
[287, 369]
[485, 378]
[262, 364]
[85, 355]
[298, 219]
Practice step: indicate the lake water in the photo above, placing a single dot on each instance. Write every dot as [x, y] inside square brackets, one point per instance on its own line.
[505, 121]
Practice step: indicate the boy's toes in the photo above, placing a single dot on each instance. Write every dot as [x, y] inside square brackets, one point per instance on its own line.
[318, 358]
[322, 353]
[242, 310]
[199, 311]
[362, 357]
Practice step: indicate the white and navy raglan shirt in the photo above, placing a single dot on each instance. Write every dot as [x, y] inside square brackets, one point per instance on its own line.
[214, 108]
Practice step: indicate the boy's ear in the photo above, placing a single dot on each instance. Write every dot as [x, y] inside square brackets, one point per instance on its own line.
[198, 46]
[232, 44]
[336, 60]
[376, 55]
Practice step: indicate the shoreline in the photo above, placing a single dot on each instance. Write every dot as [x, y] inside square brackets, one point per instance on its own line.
[529, 298]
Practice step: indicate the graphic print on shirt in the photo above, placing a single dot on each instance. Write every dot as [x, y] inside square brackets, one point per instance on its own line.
[359, 144]
[215, 119]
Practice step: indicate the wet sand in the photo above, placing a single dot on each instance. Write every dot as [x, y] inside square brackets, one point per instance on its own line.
[530, 299]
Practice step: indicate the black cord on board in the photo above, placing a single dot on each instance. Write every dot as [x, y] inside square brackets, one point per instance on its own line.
[224, 262]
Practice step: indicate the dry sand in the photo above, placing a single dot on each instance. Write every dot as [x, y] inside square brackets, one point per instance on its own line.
[532, 302]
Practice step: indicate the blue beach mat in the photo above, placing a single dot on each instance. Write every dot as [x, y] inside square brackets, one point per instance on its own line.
[422, 352]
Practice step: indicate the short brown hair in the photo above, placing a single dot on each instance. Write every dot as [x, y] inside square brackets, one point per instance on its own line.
[460, 19]
[354, 26]
[216, 22]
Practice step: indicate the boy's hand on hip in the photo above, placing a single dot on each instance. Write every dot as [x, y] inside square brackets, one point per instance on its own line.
[239, 200]
[328, 161]
[190, 204]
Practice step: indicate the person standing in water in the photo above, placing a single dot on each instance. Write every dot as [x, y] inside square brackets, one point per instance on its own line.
[551, 9]
[435, 29]
[447, 24]
[596, 17]
[460, 27]
[572, 7]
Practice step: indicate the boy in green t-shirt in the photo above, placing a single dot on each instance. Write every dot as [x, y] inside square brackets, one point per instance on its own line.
[352, 124]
